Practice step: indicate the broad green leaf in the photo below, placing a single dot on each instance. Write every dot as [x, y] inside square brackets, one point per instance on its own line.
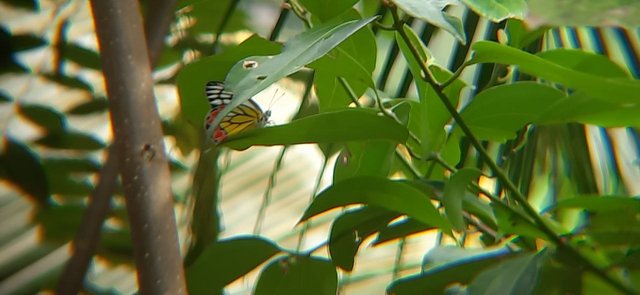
[71, 165]
[227, 260]
[353, 60]
[22, 168]
[72, 140]
[191, 80]
[401, 229]
[512, 223]
[558, 278]
[498, 112]
[364, 158]
[623, 13]
[518, 275]
[583, 108]
[45, 117]
[253, 74]
[431, 11]
[585, 62]
[600, 203]
[351, 228]
[325, 10]
[451, 265]
[381, 192]
[618, 90]
[520, 36]
[29, 41]
[454, 191]
[498, 10]
[298, 275]
[340, 126]
[209, 15]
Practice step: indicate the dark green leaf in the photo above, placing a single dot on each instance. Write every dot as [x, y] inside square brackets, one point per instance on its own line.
[381, 192]
[298, 275]
[71, 140]
[351, 228]
[511, 106]
[616, 90]
[601, 203]
[5, 97]
[46, 117]
[431, 11]
[227, 260]
[26, 42]
[454, 191]
[325, 10]
[60, 223]
[498, 10]
[297, 52]
[71, 82]
[454, 265]
[82, 56]
[20, 166]
[341, 126]
[585, 62]
[96, 105]
[518, 275]
[401, 229]
[71, 165]
[364, 158]
[27, 4]
[511, 223]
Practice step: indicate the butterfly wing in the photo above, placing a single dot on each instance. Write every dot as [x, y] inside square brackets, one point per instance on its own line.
[246, 116]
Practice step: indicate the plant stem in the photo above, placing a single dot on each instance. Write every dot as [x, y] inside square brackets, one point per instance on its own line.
[504, 179]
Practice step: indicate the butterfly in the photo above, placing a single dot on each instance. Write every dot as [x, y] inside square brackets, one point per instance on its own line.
[246, 116]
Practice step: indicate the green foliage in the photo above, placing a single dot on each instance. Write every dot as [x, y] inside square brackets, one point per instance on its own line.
[458, 151]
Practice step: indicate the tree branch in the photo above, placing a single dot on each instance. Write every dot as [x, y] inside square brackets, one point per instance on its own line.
[142, 161]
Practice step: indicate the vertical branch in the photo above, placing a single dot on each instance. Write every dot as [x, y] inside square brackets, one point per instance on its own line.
[141, 156]
[86, 241]
[156, 27]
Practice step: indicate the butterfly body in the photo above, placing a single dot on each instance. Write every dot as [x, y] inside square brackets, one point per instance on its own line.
[246, 116]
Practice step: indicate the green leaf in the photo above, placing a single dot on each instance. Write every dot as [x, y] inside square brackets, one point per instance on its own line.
[299, 51]
[95, 105]
[351, 228]
[45, 117]
[364, 158]
[583, 108]
[514, 276]
[26, 4]
[209, 16]
[401, 229]
[454, 191]
[26, 42]
[82, 56]
[227, 260]
[72, 140]
[353, 60]
[340, 126]
[520, 36]
[298, 275]
[431, 11]
[600, 203]
[498, 10]
[325, 10]
[191, 80]
[595, 13]
[511, 223]
[585, 62]
[498, 112]
[618, 90]
[381, 192]
[20, 166]
[451, 265]
[60, 223]
[68, 81]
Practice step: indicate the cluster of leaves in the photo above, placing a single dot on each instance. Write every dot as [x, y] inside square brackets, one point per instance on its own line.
[570, 86]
